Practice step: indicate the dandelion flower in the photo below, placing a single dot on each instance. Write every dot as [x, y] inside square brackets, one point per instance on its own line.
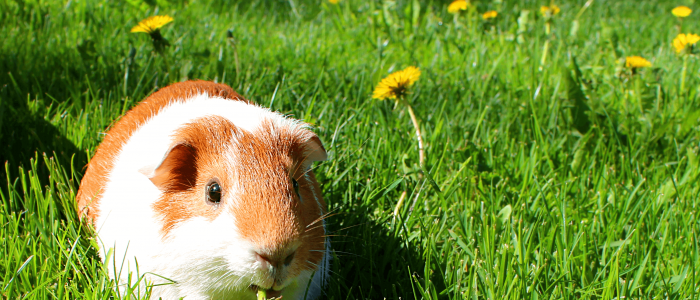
[457, 5]
[683, 40]
[396, 84]
[489, 14]
[636, 62]
[334, 1]
[550, 10]
[151, 24]
[681, 11]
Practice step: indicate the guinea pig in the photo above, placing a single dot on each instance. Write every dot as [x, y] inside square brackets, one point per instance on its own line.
[210, 196]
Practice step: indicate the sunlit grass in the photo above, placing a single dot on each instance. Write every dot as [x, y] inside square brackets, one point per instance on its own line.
[570, 177]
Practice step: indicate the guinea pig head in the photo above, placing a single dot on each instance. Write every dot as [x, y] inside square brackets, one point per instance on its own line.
[248, 199]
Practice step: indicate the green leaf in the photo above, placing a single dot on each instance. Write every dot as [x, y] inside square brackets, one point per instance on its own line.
[575, 95]
[504, 214]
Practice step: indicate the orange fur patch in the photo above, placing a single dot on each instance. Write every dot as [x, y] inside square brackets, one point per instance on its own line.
[198, 156]
[101, 164]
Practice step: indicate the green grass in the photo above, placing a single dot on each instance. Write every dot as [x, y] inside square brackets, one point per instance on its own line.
[572, 179]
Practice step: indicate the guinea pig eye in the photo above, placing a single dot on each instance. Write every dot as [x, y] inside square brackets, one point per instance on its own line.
[295, 184]
[213, 192]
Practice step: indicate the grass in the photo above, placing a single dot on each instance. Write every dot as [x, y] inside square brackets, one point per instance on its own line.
[572, 179]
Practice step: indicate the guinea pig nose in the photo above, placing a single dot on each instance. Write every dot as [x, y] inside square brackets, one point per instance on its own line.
[274, 261]
[264, 260]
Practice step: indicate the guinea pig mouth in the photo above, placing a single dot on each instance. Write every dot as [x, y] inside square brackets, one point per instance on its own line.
[270, 293]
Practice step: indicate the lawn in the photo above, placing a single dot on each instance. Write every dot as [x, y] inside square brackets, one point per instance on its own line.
[552, 169]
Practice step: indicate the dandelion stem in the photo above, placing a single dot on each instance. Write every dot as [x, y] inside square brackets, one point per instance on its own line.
[638, 93]
[685, 68]
[470, 18]
[545, 50]
[419, 136]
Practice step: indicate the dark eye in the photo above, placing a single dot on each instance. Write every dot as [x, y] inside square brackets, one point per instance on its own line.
[213, 192]
[288, 259]
[295, 184]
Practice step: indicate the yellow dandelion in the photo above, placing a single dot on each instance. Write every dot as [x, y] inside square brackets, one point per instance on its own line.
[681, 11]
[334, 1]
[457, 5]
[396, 84]
[683, 40]
[550, 10]
[151, 24]
[636, 62]
[489, 14]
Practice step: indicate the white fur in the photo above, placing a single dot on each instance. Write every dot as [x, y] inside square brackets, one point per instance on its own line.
[199, 253]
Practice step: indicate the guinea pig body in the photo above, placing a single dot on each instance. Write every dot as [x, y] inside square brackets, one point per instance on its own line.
[199, 186]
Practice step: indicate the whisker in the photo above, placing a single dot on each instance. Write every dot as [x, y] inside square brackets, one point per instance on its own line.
[298, 165]
[324, 216]
[334, 235]
[315, 267]
[308, 230]
[302, 174]
[335, 242]
[343, 253]
[351, 226]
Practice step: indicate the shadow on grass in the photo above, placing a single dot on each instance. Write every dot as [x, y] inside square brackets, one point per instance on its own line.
[23, 135]
[373, 259]
[46, 78]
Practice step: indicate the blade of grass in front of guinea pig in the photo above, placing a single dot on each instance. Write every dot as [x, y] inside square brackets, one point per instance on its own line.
[262, 294]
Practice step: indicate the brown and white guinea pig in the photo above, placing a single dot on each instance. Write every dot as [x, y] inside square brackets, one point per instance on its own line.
[200, 186]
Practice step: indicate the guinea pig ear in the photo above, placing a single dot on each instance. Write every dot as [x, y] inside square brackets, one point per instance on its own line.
[177, 171]
[313, 150]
